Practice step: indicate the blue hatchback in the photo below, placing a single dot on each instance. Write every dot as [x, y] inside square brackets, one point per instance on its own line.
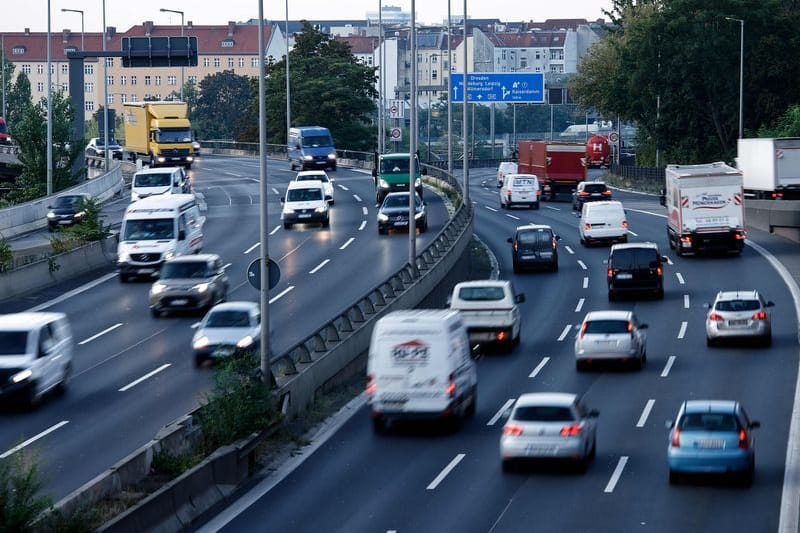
[712, 437]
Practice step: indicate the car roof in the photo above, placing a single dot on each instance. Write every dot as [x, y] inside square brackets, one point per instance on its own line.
[737, 295]
[193, 258]
[517, 175]
[484, 283]
[25, 321]
[311, 173]
[158, 170]
[236, 306]
[602, 203]
[629, 245]
[305, 184]
[394, 156]
[608, 315]
[592, 183]
[534, 227]
[564, 399]
[508, 164]
[710, 406]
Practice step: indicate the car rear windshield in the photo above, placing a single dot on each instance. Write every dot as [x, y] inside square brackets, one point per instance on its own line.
[481, 294]
[594, 187]
[193, 269]
[606, 326]
[13, 342]
[630, 258]
[523, 182]
[313, 177]
[304, 195]
[228, 319]
[152, 180]
[538, 236]
[394, 166]
[543, 413]
[738, 305]
[709, 422]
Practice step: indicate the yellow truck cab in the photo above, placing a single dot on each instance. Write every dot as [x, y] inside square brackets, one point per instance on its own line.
[159, 133]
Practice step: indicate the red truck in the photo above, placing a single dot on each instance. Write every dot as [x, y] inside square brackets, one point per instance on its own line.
[598, 153]
[4, 138]
[560, 166]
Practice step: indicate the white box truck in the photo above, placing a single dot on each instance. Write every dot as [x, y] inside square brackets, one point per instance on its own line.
[770, 168]
[705, 209]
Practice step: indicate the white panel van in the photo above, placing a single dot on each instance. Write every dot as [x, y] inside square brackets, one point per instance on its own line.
[420, 367]
[159, 181]
[603, 222]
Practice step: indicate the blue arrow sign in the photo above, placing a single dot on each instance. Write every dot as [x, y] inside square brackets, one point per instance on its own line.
[493, 87]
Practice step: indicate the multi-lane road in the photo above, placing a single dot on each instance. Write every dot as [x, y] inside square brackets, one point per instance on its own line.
[416, 479]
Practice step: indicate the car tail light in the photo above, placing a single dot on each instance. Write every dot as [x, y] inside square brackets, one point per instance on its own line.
[743, 442]
[555, 243]
[610, 272]
[516, 246]
[583, 329]
[583, 193]
[777, 195]
[761, 315]
[630, 327]
[501, 335]
[512, 430]
[625, 224]
[571, 431]
[687, 239]
[371, 385]
[676, 438]
[741, 235]
[508, 194]
[538, 192]
[587, 226]
[606, 193]
[451, 386]
[659, 271]
[716, 317]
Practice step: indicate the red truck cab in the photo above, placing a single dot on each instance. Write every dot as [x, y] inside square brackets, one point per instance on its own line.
[560, 166]
[598, 153]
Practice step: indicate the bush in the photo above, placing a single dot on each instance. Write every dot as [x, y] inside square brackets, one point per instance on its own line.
[6, 256]
[172, 465]
[20, 502]
[89, 230]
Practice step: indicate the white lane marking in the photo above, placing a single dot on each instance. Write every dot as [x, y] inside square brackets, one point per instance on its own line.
[582, 264]
[680, 278]
[646, 212]
[226, 266]
[316, 268]
[585, 283]
[668, 366]
[145, 377]
[612, 483]
[512, 216]
[686, 301]
[342, 187]
[580, 305]
[33, 439]
[364, 210]
[195, 325]
[357, 197]
[682, 331]
[564, 333]
[632, 233]
[256, 245]
[645, 413]
[73, 292]
[345, 245]
[539, 367]
[281, 294]
[275, 190]
[553, 208]
[570, 250]
[363, 225]
[443, 474]
[233, 174]
[275, 229]
[669, 261]
[93, 337]
[490, 208]
[499, 413]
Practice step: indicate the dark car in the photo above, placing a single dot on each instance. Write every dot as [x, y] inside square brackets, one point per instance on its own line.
[635, 268]
[534, 245]
[589, 191]
[393, 213]
[96, 148]
[68, 210]
[189, 283]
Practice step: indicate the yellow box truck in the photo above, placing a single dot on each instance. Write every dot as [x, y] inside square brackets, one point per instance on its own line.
[159, 133]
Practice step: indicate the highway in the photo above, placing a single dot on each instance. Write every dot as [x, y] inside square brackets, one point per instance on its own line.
[134, 374]
[421, 479]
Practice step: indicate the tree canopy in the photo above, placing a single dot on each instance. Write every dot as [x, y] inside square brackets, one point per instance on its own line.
[216, 110]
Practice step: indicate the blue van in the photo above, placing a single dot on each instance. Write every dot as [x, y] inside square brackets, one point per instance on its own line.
[311, 147]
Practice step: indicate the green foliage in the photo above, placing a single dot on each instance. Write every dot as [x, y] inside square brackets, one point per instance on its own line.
[20, 502]
[221, 96]
[788, 125]
[83, 520]
[6, 256]
[239, 404]
[18, 100]
[9, 78]
[89, 230]
[173, 465]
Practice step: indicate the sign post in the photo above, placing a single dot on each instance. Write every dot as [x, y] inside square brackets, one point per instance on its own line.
[254, 273]
[396, 134]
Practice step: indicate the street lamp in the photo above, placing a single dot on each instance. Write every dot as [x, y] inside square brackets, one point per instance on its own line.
[741, 71]
[288, 93]
[105, 92]
[165, 10]
[81, 12]
[49, 110]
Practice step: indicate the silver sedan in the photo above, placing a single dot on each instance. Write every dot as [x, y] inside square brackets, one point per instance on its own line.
[610, 335]
[737, 314]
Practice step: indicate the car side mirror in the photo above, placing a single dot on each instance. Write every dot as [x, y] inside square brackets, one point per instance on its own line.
[181, 235]
[594, 413]
[332, 180]
[519, 298]
[282, 199]
[755, 424]
[449, 300]
[770, 304]
[374, 173]
[643, 326]
[558, 237]
[669, 424]
[510, 240]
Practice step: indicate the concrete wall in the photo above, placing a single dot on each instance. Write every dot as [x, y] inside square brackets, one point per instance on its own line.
[775, 216]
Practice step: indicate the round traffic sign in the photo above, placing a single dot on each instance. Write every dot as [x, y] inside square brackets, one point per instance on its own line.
[254, 273]
[613, 136]
[393, 110]
[396, 133]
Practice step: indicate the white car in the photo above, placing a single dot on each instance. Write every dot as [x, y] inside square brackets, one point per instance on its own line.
[604, 221]
[520, 189]
[318, 175]
[305, 203]
[490, 311]
[738, 314]
[229, 328]
[506, 167]
[610, 335]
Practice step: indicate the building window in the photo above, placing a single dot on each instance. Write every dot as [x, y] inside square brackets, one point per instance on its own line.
[88, 87]
[230, 62]
[254, 62]
[557, 54]
[537, 55]
[133, 80]
[18, 50]
[39, 69]
[434, 76]
[109, 80]
[434, 59]
[40, 86]
[216, 62]
[241, 62]
[64, 69]
[88, 105]
[65, 87]
[537, 69]
[172, 80]
[109, 61]
[504, 56]
[419, 58]
[523, 62]
[133, 98]
[123, 98]
[110, 99]
[193, 80]
[88, 69]
[26, 69]
[123, 80]
[158, 80]
[369, 60]
[206, 62]
[52, 68]
[147, 80]
[556, 68]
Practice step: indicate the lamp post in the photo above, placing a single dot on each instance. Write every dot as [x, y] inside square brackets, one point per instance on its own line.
[264, 346]
[3, 72]
[464, 126]
[105, 91]
[381, 139]
[49, 110]
[288, 93]
[449, 97]
[741, 72]
[83, 47]
[165, 10]
[412, 149]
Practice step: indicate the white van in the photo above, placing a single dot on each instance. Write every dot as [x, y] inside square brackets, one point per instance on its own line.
[156, 229]
[158, 181]
[520, 189]
[305, 202]
[35, 355]
[420, 367]
[603, 222]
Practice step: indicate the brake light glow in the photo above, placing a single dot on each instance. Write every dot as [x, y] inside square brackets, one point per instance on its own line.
[451, 387]
[571, 431]
[761, 315]
[630, 327]
[687, 239]
[538, 192]
[625, 224]
[660, 271]
[740, 235]
[743, 443]
[606, 193]
[610, 272]
[583, 329]
[512, 430]
[371, 385]
[676, 438]
[716, 317]
[583, 193]
[501, 335]
[516, 246]
[587, 226]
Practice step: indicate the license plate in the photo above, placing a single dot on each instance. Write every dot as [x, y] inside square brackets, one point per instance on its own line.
[180, 302]
[547, 254]
[529, 257]
[223, 352]
[713, 444]
[624, 275]
[63, 221]
[482, 336]
[145, 271]
[539, 450]
[304, 216]
[737, 322]
[402, 223]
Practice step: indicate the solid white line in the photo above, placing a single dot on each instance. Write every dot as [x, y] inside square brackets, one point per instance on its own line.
[275, 230]
[647, 408]
[632, 233]
[585, 283]
[146, 376]
[564, 333]
[616, 475]
[256, 245]
[342, 187]
[275, 190]
[21, 445]
[539, 367]
[364, 210]
[195, 325]
[567, 248]
[668, 366]
[580, 305]
[499, 413]
[345, 245]
[682, 331]
[281, 294]
[443, 474]
[93, 337]
[490, 208]
[357, 197]
[553, 208]
[363, 225]
[73, 292]
[582, 264]
[512, 216]
[686, 301]
[680, 278]
[316, 268]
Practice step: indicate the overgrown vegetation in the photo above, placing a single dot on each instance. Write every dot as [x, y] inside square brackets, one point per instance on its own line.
[6, 256]
[173, 465]
[90, 229]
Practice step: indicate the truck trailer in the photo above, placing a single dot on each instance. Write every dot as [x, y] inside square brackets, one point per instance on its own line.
[705, 208]
[770, 168]
[560, 166]
[159, 133]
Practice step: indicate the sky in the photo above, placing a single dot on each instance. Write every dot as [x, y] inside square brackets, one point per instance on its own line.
[123, 14]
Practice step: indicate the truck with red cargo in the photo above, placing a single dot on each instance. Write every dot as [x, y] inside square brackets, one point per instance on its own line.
[598, 153]
[560, 166]
[4, 138]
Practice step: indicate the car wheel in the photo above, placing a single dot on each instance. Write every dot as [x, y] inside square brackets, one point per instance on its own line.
[748, 475]
[766, 342]
[611, 296]
[639, 364]
[379, 425]
[710, 342]
[674, 477]
[517, 268]
[382, 231]
[287, 225]
[536, 205]
[554, 268]
[507, 346]
[660, 293]
[326, 223]
[61, 388]
[124, 278]
[155, 312]
[593, 451]
[198, 361]
[507, 465]
[580, 366]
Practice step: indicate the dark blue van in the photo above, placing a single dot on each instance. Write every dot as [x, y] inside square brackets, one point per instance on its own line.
[311, 147]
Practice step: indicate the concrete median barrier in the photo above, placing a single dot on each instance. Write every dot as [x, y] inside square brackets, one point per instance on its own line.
[775, 216]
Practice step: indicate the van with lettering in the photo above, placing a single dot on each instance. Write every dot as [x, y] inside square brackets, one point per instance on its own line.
[420, 367]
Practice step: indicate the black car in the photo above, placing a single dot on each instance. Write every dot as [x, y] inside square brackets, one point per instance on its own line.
[635, 268]
[534, 245]
[393, 213]
[589, 191]
[68, 210]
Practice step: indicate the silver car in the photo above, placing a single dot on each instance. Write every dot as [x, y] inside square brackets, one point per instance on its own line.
[611, 335]
[189, 283]
[230, 328]
[737, 314]
[549, 425]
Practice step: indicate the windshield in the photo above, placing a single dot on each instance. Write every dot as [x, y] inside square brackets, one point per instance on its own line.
[316, 141]
[228, 319]
[101, 142]
[13, 342]
[543, 413]
[313, 177]
[152, 229]
[540, 236]
[152, 180]
[739, 305]
[399, 200]
[303, 195]
[709, 422]
[68, 201]
[481, 294]
[607, 326]
[183, 269]
[182, 135]
[394, 166]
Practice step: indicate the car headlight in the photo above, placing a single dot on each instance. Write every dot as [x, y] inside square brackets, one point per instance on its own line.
[200, 343]
[321, 209]
[382, 217]
[245, 342]
[332, 156]
[51, 215]
[169, 254]
[157, 288]
[419, 215]
[161, 159]
[19, 377]
[383, 184]
[189, 158]
[417, 182]
[308, 157]
[80, 214]
[124, 257]
[200, 287]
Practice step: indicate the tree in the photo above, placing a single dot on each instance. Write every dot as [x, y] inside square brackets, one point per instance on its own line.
[9, 78]
[788, 125]
[222, 96]
[17, 101]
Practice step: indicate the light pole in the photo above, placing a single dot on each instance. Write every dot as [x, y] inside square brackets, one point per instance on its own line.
[165, 10]
[464, 125]
[83, 47]
[741, 72]
[288, 93]
[264, 346]
[3, 72]
[380, 80]
[105, 92]
[449, 97]
[412, 149]
[49, 110]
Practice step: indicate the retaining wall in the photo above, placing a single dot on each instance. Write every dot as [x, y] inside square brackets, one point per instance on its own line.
[775, 216]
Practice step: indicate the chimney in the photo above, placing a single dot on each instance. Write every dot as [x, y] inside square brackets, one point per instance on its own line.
[111, 31]
[189, 25]
[65, 38]
[231, 27]
[148, 27]
[27, 31]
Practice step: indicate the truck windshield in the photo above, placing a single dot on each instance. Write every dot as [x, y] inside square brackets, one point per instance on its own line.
[152, 180]
[394, 166]
[183, 135]
[316, 141]
[151, 229]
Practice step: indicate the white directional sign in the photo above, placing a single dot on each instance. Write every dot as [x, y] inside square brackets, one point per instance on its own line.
[396, 108]
[397, 134]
